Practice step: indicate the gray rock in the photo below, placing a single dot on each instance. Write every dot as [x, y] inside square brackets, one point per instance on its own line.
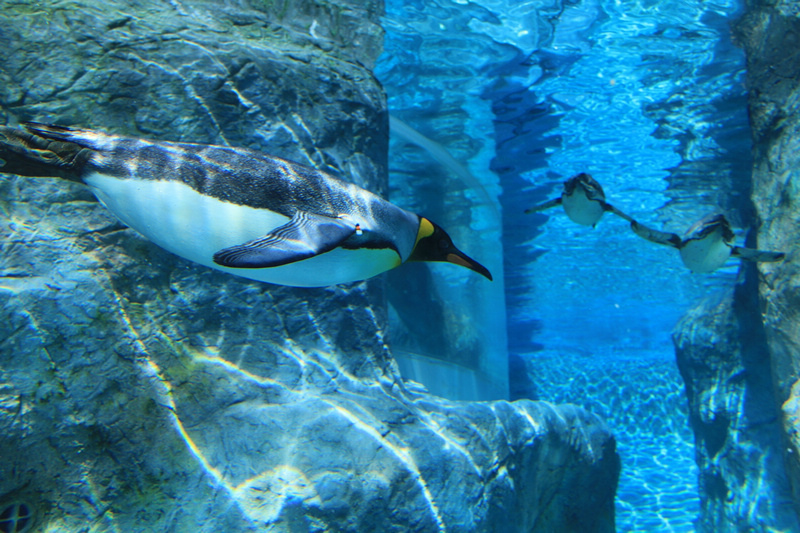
[140, 392]
[115, 415]
[770, 34]
[721, 350]
[741, 357]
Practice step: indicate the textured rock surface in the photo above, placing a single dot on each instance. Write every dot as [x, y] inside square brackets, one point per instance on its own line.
[771, 37]
[139, 392]
[741, 357]
[724, 361]
[772, 40]
[205, 72]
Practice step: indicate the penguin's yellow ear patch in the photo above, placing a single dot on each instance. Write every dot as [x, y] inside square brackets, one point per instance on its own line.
[425, 229]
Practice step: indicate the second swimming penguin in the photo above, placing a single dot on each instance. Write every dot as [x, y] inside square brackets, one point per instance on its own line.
[706, 245]
[233, 209]
[583, 200]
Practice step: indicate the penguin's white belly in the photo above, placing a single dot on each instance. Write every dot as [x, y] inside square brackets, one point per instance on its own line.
[195, 226]
[705, 255]
[582, 210]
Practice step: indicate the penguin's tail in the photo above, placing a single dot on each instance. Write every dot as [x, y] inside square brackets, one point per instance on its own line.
[41, 150]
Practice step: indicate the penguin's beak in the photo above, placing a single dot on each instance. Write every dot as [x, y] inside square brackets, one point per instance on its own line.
[434, 244]
[459, 258]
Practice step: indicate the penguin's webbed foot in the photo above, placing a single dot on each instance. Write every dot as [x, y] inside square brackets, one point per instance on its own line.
[748, 254]
[652, 235]
[611, 209]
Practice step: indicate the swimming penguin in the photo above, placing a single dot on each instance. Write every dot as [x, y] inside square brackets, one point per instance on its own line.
[233, 209]
[584, 201]
[706, 245]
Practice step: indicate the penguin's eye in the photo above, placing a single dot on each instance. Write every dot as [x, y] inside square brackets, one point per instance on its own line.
[444, 244]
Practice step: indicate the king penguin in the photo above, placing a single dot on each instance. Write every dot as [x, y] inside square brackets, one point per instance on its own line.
[706, 245]
[233, 209]
[583, 200]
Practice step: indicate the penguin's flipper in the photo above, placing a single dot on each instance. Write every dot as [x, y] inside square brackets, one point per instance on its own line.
[749, 254]
[611, 209]
[304, 236]
[658, 237]
[544, 206]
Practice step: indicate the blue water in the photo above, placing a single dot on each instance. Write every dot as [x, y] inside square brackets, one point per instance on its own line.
[649, 98]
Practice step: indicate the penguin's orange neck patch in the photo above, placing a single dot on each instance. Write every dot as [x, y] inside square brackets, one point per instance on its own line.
[425, 229]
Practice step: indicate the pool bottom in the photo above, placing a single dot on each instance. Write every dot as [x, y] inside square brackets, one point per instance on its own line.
[642, 399]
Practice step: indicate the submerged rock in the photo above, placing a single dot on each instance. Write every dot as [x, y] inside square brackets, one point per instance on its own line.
[741, 357]
[182, 439]
[140, 392]
[771, 37]
[721, 351]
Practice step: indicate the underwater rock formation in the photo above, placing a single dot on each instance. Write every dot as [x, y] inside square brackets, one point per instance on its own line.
[741, 357]
[721, 353]
[140, 392]
[771, 37]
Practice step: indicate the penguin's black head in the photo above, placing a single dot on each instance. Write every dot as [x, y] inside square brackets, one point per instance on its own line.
[708, 225]
[592, 188]
[434, 244]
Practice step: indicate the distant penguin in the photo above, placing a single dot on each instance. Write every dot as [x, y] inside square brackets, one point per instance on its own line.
[706, 245]
[583, 200]
[234, 209]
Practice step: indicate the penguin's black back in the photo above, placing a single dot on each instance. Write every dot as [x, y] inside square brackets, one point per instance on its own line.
[236, 175]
